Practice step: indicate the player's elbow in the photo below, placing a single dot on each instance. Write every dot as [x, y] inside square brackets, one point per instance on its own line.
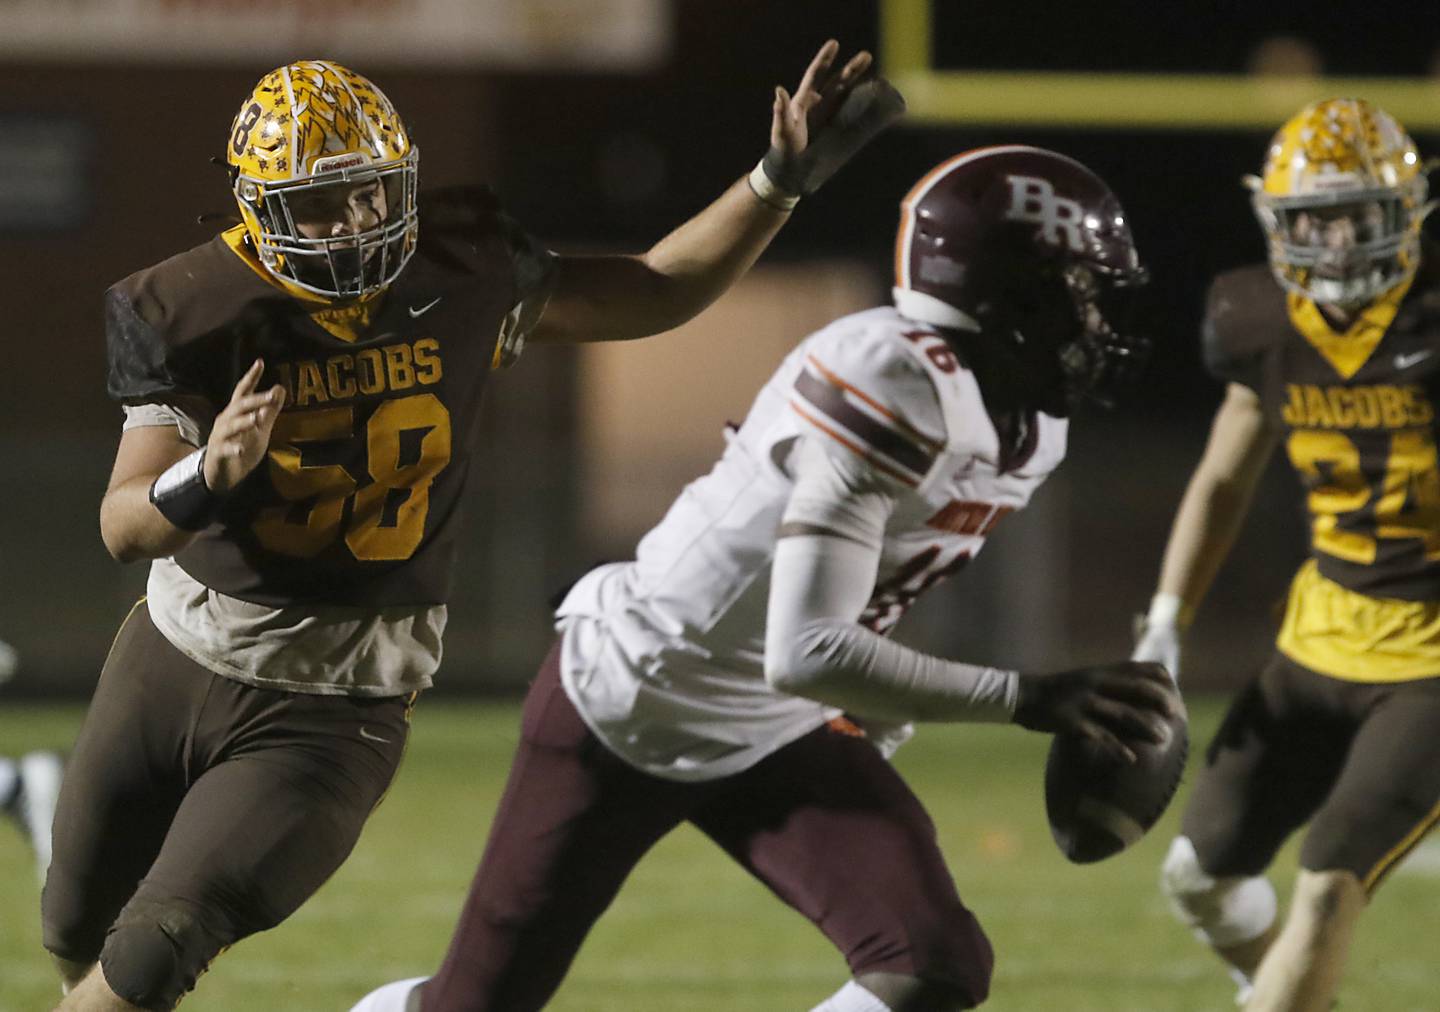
[124, 531]
[795, 660]
[783, 674]
[112, 532]
[121, 547]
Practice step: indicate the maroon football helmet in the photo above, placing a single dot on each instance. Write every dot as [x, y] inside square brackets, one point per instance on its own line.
[1028, 247]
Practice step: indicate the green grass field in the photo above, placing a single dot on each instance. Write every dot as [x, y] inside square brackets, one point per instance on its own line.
[690, 932]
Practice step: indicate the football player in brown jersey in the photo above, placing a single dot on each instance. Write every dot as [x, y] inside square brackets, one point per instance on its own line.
[301, 395]
[1334, 352]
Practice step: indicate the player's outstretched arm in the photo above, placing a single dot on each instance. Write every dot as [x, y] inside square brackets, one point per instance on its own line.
[836, 109]
[163, 490]
[822, 577]
[1211, 513]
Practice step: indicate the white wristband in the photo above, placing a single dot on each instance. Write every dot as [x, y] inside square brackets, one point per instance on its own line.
[1169, 609]
[764, 188]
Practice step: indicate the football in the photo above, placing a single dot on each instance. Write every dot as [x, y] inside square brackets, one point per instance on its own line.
[1097, 805]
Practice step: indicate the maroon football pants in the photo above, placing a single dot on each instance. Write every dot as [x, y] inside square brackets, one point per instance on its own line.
[826, 823]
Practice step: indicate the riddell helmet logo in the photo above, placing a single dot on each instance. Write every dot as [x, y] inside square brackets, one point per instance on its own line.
[1034, 200]
[337, 163]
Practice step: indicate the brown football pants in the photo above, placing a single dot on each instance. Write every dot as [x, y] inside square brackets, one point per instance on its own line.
[197, 810]
[1359, 761]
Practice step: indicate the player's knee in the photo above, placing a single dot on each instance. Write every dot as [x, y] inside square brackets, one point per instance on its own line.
[1224, 910]
[156, 950]
[959, 970]
[67, 932]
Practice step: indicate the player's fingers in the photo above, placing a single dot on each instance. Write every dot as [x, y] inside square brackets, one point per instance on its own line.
[250, 402]
[1127, 721]
[1106, 741]
[1153, 692]
[786, 105]
[248, 382]
[1153, 670]
[265, 423]
[859, 63]
[818, 66]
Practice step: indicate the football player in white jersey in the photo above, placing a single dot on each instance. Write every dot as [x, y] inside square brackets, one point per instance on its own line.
[29, 785]
[728, 676]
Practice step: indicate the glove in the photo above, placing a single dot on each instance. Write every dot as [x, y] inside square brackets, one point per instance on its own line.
[1112, 705]
[866, 109]
[1157, 634]
[833, 114]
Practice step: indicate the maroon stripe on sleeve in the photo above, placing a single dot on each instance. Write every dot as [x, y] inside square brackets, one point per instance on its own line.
[830, 401]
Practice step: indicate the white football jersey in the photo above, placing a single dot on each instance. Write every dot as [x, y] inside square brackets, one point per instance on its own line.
[664, 656]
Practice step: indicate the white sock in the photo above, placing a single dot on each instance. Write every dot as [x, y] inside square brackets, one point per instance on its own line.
[1243, 985]
[389, 998]
[851, 998]
[9, 780]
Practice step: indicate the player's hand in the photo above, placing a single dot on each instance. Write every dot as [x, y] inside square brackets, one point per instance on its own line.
[241, 433]
[1158, 642]
[1113, 705]
[832, 114]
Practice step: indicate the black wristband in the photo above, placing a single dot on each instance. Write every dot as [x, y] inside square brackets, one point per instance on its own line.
[181, 495]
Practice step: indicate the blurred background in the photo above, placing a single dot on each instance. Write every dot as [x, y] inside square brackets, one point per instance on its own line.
[602, 124]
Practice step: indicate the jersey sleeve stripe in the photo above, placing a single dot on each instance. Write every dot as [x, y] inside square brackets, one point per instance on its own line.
[875, 461]
[879, 442]
[933, 445]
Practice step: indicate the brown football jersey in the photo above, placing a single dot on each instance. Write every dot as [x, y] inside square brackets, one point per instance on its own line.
[358, 498]
[1358, 408]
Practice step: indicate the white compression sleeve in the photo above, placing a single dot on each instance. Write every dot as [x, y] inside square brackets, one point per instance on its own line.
[814, 647]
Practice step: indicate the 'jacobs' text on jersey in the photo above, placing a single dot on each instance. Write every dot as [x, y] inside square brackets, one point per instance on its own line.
[363, 373]
[1356, 407]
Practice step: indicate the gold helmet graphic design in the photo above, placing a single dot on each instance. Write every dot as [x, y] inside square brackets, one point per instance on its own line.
[1341, 200]
[311, 131]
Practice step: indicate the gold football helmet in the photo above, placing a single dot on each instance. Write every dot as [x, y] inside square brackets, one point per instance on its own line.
[1341, 200]
[312, 125]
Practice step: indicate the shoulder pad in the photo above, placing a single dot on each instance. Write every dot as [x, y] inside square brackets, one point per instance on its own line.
[466, 229]
[156, 317]
[1245, 317]
[867, 393]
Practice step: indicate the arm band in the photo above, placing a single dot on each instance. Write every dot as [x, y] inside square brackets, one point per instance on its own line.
[181, 495]
[1169, 609]
[768, 192]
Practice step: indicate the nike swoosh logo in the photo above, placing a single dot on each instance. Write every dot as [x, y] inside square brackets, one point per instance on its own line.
[414, 313]
[1406, 361]
[364, 733]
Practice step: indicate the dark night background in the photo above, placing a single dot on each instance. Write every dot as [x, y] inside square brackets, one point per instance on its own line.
[612, 161]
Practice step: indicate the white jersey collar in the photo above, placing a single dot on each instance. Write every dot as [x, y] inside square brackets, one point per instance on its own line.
[928, 309]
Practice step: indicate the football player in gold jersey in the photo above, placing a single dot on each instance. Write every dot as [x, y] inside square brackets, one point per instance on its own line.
[1334, 353]
[301, 396]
